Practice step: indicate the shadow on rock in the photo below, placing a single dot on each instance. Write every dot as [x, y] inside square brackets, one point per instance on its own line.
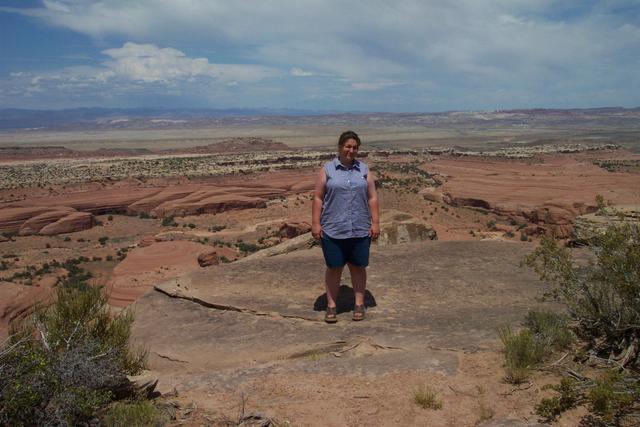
[346, 300]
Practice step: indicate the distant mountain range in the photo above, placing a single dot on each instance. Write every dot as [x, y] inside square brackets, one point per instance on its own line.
[161, 118]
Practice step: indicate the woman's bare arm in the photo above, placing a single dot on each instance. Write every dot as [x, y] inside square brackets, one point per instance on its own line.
[374, 208]
[316, 206]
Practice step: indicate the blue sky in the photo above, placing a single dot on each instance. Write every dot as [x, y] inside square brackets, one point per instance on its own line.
[347, 55]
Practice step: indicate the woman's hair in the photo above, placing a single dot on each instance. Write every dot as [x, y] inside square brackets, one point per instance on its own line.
[347, 136]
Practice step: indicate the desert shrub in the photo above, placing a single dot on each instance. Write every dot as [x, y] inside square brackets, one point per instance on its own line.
[549, 328]
[568, 397]
[247, 247]
[613, 395]
[602, 296]
[169, 221]
[103, 240]
[426, 398]
[139, 413]
[522, 352]
[63, 364]
[67, 239]
[144, 215]
[523, 236]
[610, 397]
[491, 224]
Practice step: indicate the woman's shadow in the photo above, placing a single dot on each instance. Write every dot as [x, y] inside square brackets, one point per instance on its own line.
[346, 300]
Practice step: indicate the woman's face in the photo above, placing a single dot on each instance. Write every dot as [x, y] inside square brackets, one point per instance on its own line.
[348, 151]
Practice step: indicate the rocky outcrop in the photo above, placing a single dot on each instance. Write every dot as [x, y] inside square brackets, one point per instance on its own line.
[548, 194]
[34, 224]
[75, 221]
[147, 241]
[587, 227]
[289, 230]
[19, 301]
[211, 205]
[208, 258]
[399, 227]
[12, 218]
[148, 204]
[304, 241]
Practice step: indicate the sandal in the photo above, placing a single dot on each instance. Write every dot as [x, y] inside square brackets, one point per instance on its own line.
[331, 316]
[358, 312]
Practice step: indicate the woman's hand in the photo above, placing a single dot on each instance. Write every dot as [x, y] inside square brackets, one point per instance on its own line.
[316, 231]
[374, 233]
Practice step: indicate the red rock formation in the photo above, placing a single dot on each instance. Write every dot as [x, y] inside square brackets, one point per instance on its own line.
[35, 214]
[289, 230]
[35, 224]
[148, 204]
[212, 204]
[207, 259]
[75, 221]
[147, 241]
[549, 194]
[18, 301]
[12, 218]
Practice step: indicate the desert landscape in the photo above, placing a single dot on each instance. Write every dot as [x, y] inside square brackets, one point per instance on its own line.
[202, 229]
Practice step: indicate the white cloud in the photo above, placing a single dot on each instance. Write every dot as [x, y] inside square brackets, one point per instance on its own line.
[149, 63]
[133, 70]
[299, 72]
[521, 52]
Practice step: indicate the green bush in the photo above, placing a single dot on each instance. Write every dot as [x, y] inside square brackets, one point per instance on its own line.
[66, 362]
[551, 329]
[247, 247]
[522, 352]
[613, 395]
[568, 397]
[169, 221]
[602, 296]
[140, 413]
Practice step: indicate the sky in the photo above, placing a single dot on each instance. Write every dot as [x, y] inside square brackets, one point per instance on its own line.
[333, 55]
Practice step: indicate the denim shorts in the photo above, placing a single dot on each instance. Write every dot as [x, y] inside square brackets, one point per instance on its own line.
[338, 252]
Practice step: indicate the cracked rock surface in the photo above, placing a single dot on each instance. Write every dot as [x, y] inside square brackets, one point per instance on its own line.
[434, 308]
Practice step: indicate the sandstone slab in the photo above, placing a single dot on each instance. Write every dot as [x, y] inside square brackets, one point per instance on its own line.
[75, 221]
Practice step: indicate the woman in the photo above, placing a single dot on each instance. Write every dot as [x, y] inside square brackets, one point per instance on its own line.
[345, 216]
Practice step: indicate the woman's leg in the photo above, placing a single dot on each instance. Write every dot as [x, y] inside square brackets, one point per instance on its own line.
[358, 282]
[332, 283]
